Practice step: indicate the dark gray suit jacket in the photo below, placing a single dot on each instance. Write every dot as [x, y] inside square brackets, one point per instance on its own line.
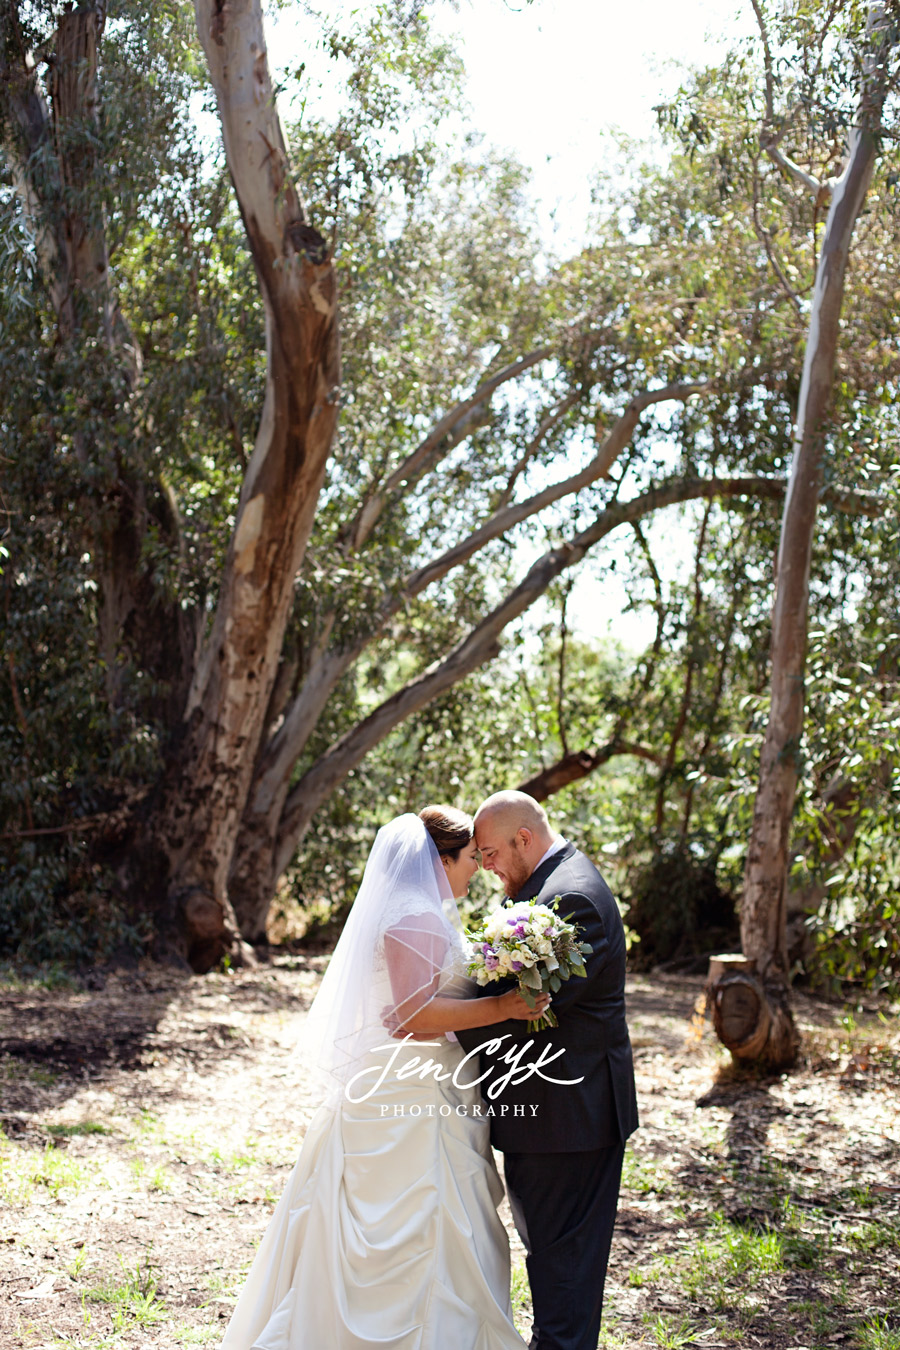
[602, 1109]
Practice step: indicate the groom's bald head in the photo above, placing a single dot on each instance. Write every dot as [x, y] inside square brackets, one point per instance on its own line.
[513, 834]
[516, 809]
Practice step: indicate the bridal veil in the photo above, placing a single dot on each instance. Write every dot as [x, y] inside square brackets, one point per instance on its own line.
[401, 946]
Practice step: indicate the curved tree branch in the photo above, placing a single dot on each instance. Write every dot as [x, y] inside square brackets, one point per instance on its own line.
[571, 768]
[482, 643]
[447, 433]
[552, 419]
[504, 519]
[300, 718]
[768, 138]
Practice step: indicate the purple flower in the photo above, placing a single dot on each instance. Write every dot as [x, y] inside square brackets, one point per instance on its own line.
[516, 965]
[486, 947]
[548, 932]
[491, 961]
[513, 921]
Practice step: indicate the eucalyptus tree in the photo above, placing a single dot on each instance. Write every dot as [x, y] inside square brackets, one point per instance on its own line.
[761, 1027]
[207, 650]
[305, 590]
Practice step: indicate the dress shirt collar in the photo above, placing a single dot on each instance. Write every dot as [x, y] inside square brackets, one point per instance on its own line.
[555, 847]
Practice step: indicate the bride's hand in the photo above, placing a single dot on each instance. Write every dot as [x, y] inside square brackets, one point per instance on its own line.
[513, 1005]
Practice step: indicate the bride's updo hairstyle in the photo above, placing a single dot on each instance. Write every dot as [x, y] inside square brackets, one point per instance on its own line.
[450, 829]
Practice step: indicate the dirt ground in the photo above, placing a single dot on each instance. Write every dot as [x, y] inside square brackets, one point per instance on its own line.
[149, 1126]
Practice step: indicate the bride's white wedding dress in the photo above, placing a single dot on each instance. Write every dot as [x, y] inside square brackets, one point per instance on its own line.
[387, 1234]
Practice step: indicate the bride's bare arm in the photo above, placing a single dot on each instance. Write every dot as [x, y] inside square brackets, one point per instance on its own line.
[458, 1014]
[414, 954]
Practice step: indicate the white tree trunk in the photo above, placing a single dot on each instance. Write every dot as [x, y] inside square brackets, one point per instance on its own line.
[191, 833]
[763, 905]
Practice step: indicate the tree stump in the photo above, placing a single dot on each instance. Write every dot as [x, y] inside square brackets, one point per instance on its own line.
[750, 1020]
[739, 1007]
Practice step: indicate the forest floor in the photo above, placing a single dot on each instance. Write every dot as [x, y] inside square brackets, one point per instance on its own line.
[149, 1126]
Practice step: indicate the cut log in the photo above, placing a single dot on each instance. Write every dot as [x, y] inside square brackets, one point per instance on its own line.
[727, 963]
[751, 1020]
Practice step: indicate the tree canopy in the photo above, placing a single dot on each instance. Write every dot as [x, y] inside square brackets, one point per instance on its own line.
[241, 629]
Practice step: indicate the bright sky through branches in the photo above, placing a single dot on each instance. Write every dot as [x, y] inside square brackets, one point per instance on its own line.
[549, 82]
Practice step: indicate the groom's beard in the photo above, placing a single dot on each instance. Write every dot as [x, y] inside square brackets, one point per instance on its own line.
[515, 876]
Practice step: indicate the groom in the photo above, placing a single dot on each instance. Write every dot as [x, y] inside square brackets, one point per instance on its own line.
[562, 1160]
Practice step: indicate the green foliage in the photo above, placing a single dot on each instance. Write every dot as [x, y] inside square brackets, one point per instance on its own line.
[699, 266]
[677, 907]
[132, 1299]
[878, 1334]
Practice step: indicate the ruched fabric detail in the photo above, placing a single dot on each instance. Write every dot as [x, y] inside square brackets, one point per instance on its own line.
[387, 1234]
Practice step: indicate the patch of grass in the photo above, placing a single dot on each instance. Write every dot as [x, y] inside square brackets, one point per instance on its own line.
[147, 1123]
[133, 1301]
[75, 1267]
[14, 1071]
[642, 1176]
[160, 1180]
[73, 1131]
[21, 1170]
[730, 1253]
[802, 1253]
[519, 1290]
[235, 1160]
[670, 1333]
[226, 1286]
[820, 1319]
[749, 1254]
[873, 1237]
[42, 1077]
[197, 1335]
[92, 1341]
[877, 1334]
[611, 1338]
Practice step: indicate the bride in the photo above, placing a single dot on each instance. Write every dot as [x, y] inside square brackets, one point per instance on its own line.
[387, 1233]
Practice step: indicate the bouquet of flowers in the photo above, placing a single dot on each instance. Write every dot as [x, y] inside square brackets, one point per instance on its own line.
[531, 943]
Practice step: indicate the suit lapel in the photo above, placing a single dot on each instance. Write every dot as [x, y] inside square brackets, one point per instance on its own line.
[540, 875]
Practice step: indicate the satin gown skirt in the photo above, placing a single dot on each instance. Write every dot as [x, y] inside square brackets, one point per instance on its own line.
[387, 1233]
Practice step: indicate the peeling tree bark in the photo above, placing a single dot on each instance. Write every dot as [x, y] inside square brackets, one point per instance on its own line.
[774, 1040]
[190, 832]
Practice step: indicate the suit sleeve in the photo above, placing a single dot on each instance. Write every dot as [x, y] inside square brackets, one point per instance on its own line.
[579, 910]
